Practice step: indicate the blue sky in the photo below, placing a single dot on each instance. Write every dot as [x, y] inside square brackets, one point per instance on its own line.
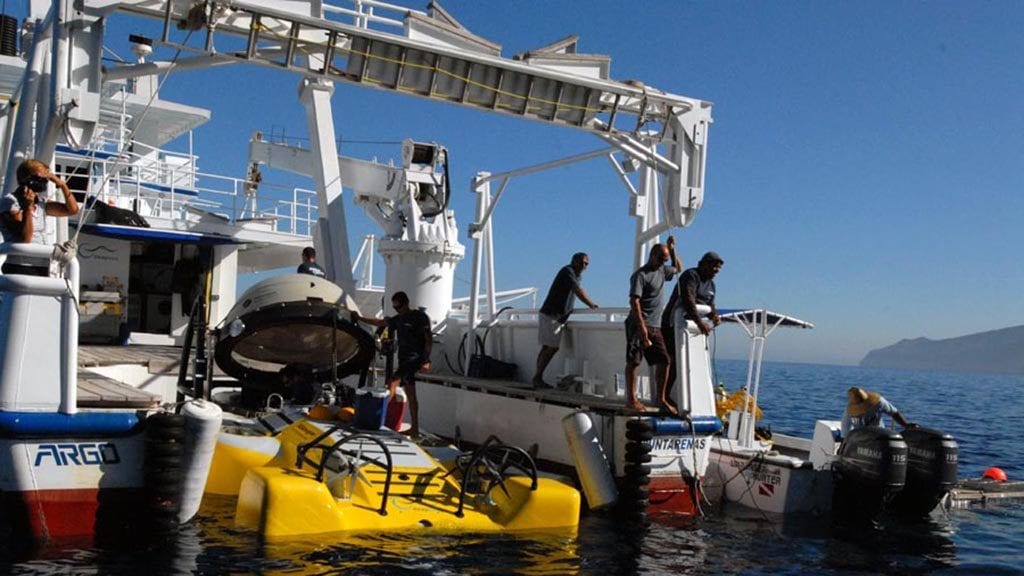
[864, 170]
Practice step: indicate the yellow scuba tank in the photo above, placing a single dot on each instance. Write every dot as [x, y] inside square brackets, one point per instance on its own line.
[721, 401]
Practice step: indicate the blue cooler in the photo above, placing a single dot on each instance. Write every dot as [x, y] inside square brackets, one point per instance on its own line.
[371, 408]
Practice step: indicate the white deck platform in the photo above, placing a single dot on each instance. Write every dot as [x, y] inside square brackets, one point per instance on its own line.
[554, 396]
[99, 392]
[159, 359]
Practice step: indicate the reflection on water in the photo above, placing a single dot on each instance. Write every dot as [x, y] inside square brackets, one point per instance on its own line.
[729, 542]
[921, 548]
[385, 553]
[166, 555]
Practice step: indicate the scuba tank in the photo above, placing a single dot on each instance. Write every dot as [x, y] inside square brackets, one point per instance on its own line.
[387, 350]
[721, 401]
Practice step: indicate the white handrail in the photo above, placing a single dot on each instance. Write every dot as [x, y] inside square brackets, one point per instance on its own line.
[167, 188]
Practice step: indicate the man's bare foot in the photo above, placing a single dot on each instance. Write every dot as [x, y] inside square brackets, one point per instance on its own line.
[636, 405]
[670, 408]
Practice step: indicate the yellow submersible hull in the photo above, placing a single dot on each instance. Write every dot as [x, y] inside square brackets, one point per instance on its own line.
[302, 477]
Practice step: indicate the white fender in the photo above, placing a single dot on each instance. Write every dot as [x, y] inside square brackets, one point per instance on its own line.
[202, 424]
[591, 464]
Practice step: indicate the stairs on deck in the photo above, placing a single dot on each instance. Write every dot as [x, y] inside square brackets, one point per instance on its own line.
[99, 392]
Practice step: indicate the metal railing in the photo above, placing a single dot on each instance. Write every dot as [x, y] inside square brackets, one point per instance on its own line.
[165, 184]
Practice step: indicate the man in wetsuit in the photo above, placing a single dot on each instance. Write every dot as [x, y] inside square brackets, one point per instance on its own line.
[411, 328]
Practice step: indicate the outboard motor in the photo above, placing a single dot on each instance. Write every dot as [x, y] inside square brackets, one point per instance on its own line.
[870, 470]
[932, 458]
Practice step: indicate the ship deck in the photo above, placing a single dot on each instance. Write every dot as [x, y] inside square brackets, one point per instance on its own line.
[101, 392]
[553, 396]
[164, 360]
[96, 391]
[159, 359]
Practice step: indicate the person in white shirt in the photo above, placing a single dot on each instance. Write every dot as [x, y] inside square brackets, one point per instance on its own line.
[23, 211]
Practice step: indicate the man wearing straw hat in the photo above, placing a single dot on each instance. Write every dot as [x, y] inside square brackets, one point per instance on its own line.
[866, 409]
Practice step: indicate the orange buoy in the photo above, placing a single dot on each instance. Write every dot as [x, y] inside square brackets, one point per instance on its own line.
[996, 474]
[321, 412]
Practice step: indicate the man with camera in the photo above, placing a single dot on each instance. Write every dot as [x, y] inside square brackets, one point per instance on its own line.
[23, 212]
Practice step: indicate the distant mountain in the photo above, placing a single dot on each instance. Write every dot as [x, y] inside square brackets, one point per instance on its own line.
[998, 351]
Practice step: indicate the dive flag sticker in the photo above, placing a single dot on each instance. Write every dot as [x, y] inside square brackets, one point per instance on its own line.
[766, 489]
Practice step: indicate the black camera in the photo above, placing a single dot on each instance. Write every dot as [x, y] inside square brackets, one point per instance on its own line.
[37, 183]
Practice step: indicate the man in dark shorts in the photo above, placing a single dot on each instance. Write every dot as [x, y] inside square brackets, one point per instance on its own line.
[695, 286]
[643, 335]
[556, 310]
[411, 328]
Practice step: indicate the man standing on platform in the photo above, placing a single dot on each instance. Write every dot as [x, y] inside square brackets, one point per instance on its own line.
[556, 310]
[695, 286]
[643, 333]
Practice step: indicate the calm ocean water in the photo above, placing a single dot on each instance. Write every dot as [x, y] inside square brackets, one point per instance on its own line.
[979, 410]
